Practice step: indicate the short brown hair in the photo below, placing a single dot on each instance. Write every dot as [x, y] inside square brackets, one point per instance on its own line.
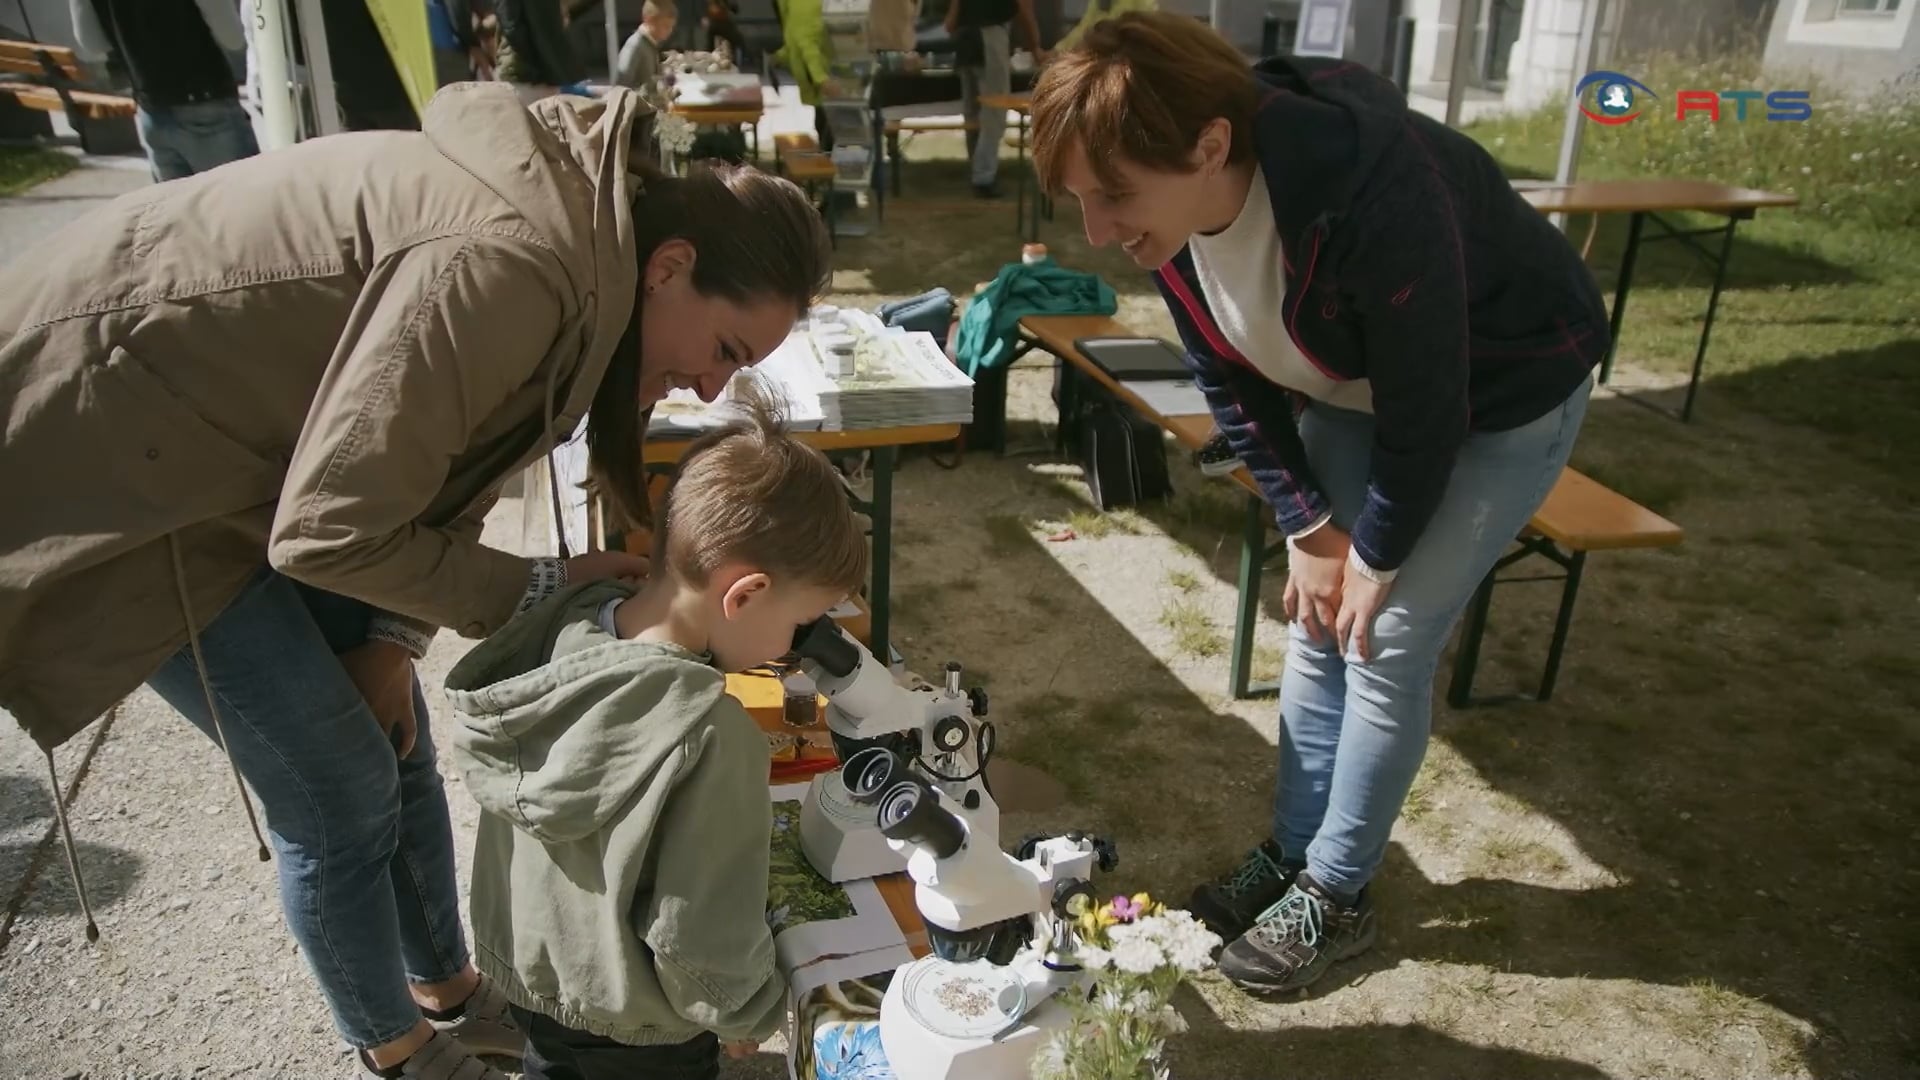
[756, 237]
[1139, 87]
[752, 494]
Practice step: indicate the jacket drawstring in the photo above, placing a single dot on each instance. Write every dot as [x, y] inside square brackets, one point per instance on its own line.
[206, 685]
[66, 838]
[553, 471]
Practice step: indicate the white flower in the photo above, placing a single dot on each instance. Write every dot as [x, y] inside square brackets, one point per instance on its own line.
[1806, 170]
[1185, 941]
[1052, 1059]
[1135, 950]
[1857, 156]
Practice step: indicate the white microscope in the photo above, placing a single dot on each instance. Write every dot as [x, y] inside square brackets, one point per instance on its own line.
[940, 730]
[1001, 927]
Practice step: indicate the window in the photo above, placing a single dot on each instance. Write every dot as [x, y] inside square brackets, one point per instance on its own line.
[1851, 24]
[1868, 7]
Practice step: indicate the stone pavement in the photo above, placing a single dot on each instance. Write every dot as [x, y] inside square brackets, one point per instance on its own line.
[194, 974]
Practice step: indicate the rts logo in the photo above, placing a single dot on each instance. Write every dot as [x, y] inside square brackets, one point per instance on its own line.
[1617, 101]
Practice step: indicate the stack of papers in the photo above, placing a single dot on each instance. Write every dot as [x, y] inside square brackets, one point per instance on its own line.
[837, 371]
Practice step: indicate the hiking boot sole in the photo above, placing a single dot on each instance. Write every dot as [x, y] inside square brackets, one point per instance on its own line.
[1359, 946]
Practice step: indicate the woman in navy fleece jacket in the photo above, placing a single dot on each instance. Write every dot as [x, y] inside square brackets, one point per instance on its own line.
[1394, 343]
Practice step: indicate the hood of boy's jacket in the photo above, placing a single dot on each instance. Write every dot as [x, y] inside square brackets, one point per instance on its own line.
[560, 722]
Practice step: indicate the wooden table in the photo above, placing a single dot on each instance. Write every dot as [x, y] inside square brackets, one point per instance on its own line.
[1021, 103]
[742, 115]
[1647, 200]
[884, 444]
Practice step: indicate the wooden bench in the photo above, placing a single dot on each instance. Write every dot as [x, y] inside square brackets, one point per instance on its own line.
[1579, 516]
[50, 82]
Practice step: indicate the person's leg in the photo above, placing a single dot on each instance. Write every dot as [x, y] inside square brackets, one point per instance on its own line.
[215, 133]
[995, 77]
[329, 784]
[161, 137]
[970, 110]
[1313, 693]
[1497, 482]
[557, 1052]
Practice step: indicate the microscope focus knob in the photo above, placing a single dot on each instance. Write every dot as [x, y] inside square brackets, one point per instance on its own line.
[977, 699]
[950, 735]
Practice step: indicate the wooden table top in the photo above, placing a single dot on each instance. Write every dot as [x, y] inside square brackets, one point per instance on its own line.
[742, 113]
[1020, 103]
[830, 442]
[1650, 195]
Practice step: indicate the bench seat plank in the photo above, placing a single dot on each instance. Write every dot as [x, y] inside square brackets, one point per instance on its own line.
[47, 99]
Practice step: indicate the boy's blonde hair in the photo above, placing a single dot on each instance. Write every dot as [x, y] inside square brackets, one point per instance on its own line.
[751, 494]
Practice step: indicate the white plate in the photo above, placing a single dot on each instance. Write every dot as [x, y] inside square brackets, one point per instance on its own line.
[964, 1001]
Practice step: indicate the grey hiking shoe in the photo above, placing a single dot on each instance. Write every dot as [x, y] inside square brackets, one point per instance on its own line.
[1294, 942]
[442, 1058]
[483, 1024]
[1230, 906]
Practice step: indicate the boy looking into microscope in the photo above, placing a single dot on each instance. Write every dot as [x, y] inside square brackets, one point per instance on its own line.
[620, 871]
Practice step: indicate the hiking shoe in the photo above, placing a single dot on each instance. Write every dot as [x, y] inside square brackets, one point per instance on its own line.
[482, 1023]
[1216, 458]
[1294, 942]
[442, 1058]
[1230, 906]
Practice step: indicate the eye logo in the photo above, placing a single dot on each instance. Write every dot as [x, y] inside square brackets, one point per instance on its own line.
[1617, 99]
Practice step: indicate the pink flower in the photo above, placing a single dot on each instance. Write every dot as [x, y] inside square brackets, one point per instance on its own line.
[1125, 909]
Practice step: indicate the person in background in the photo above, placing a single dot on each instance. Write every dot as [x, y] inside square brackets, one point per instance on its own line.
[620, 867]
[536, 55]
[454, 27]
[807, 56]
[179, 55]
[640, 55]
[1099, 11]
[893, 25]
[983, 51]
[1399, 348]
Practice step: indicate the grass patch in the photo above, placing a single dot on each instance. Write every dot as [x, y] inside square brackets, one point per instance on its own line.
[1091, 524]
[1268, 664]
[21, 167]
[1193, 632]
[1183, 581]
[1817, 327]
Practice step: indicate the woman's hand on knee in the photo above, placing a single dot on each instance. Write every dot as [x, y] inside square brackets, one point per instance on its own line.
[1316, 573]
[383, 672]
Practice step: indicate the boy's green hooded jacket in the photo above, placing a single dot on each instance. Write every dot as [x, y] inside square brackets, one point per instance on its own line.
[620, 874]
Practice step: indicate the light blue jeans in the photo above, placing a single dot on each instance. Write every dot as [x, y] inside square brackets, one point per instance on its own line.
[360, 836]
[1353, 733]
[182, 140]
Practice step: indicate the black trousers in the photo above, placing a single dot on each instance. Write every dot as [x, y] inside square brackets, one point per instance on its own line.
[557, 1052]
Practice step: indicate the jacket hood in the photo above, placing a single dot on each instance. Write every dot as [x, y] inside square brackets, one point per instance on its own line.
[1322, 130]
[570, 166]
[560, 724]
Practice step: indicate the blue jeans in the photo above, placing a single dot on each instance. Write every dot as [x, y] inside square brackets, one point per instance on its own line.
[1353, 733]
[185, 139]
[361, 837]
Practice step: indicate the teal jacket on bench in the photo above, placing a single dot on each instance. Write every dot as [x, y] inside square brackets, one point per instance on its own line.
[990, 329]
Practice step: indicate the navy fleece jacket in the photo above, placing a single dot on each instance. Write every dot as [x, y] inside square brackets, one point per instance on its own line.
[1411, 262]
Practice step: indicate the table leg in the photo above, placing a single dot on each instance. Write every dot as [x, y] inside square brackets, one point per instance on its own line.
[1620, 289]
[1562, 623]
[1713, 305]
[1467, 659]
[1253, 554]
[879, 172]
[1020, 178]
[884, 458]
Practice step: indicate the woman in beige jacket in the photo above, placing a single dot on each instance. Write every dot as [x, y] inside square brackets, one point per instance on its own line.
[252, 421]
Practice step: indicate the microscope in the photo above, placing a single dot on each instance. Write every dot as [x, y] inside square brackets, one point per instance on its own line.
[939, 731]
[1001, 927]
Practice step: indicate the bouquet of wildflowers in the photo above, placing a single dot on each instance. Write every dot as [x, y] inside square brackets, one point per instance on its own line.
[1142, 951]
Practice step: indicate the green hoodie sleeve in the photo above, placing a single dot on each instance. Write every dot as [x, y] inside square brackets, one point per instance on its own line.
[706, 920]
[804, 48]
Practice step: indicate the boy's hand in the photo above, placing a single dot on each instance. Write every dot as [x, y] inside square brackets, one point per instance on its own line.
[383, 673]
[740, 1048]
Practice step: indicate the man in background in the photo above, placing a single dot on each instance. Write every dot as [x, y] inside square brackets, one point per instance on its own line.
[640, 55]
[1099, 11]
[536, 55]
[179, 56]
[983, 52]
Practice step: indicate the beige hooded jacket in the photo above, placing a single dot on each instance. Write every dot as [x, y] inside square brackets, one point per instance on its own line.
[326, 358]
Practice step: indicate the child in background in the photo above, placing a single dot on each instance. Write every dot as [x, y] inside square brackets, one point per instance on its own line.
[620, 870]
[640, 55]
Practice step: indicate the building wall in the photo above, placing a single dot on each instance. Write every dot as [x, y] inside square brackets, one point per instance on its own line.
[1857, 54]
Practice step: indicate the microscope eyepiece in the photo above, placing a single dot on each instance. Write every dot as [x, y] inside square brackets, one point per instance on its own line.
[910, 812]
[822, 642]
[868, 774]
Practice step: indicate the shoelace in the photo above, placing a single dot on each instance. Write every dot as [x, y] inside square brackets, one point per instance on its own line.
[1257, 867]
[1298, 914]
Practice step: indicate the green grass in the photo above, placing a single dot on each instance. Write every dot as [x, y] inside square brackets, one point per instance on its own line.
[1817, 328]
[1183, 581]
[1193, 630]
[23, 167]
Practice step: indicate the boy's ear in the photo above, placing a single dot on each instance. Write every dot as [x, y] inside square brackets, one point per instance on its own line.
[743, 590]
